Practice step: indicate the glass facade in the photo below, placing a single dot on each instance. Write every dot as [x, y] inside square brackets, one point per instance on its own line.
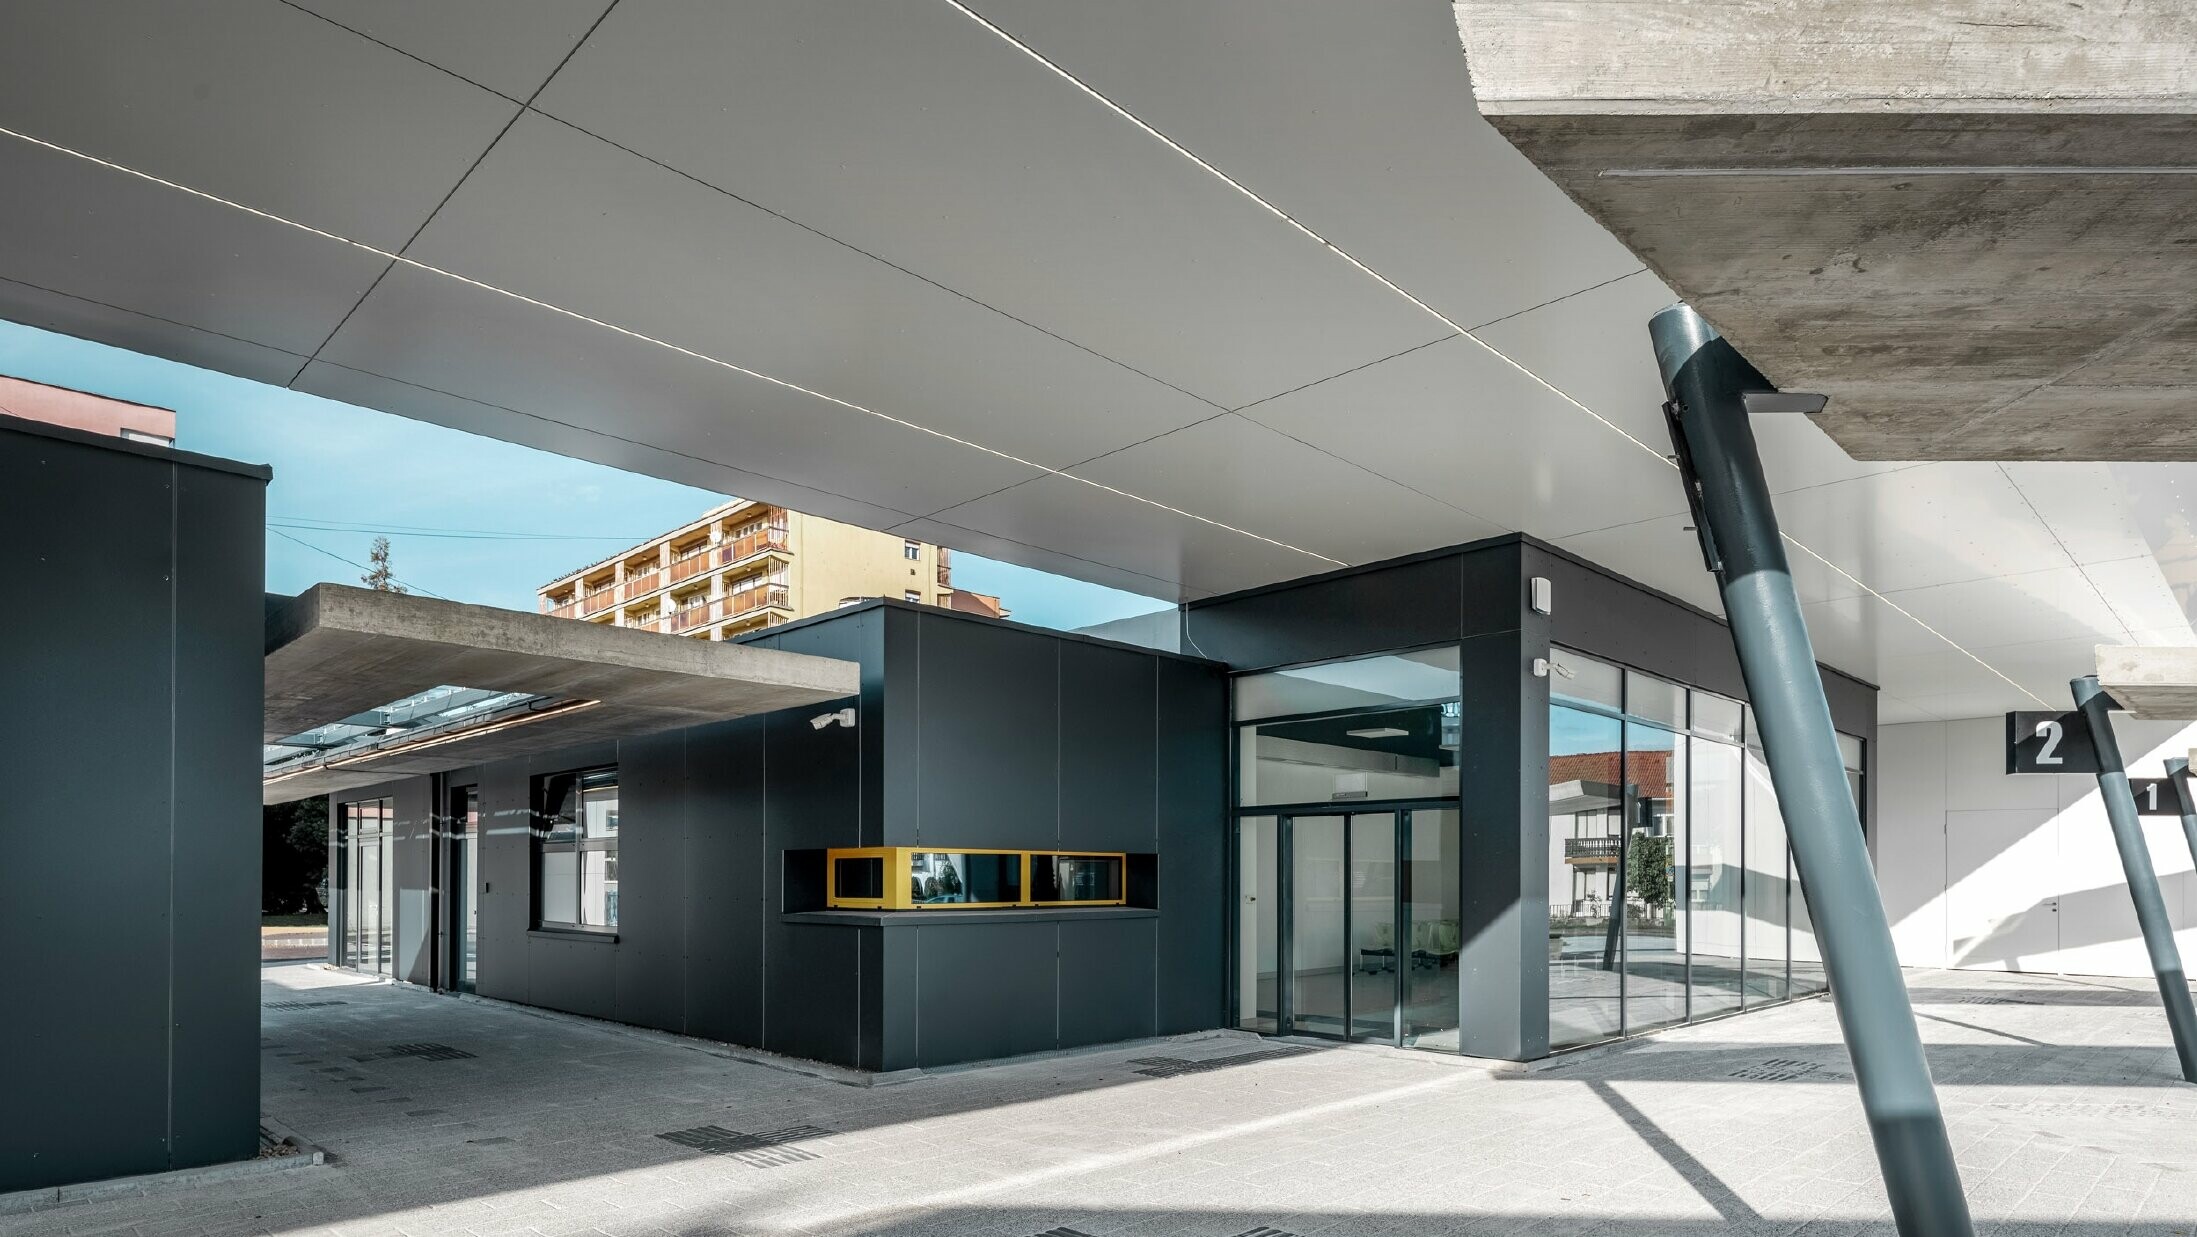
[1672, 894]
[369, 885]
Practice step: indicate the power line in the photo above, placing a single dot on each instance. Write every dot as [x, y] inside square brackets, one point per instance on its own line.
[353, 562]
[317, 524]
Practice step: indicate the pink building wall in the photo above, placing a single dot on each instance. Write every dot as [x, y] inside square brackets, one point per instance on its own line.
[35, 401]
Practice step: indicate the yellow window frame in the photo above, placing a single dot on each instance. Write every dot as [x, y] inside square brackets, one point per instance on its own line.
[899, 863]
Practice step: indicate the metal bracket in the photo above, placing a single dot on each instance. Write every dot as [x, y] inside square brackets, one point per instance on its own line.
[1690, 481]
[1786, 402]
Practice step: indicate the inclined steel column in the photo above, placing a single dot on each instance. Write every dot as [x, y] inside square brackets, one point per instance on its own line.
[2177, 772]
[2143, 881]
[1707, 381]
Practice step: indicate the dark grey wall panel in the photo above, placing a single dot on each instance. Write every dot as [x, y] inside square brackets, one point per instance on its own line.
[1502, 760]
[858, 636]
[727, 871]
[1108, 749]
[813, 983]
[1105, 966]
[988, 734]
[650, 959]
[507, 880]
[220, 642]
[132, 810]
[986, 990]
[571, 974]
[1191, 712]
[1343, 614]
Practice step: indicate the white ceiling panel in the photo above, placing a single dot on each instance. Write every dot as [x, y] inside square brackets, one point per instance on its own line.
[1454, 422]
[351, 386]
[2085, 505]
[912, 132]
[1264, 480]
[509, 46]
[1132, 536]
[1985, 702]
[153, 252]
[1891, 711]
[2015, 609]
[250, 100]
[2043, 668]
[994, 547]
[69, 315]
[1915, 527]
[653, 251]
[1356, 119]
[437, 333]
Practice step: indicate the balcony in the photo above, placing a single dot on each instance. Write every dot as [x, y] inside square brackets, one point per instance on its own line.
[749, 600]
[748, 545]
[690, 617]
[640, 585]
[570, 609]
[691, 564]
[599, 600]
[1593, 851]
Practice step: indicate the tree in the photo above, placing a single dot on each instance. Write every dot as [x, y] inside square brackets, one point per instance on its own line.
[379, 576]
[293, 856]
[1648, 871]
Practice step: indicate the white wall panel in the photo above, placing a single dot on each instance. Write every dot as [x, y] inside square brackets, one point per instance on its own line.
[1985, 871]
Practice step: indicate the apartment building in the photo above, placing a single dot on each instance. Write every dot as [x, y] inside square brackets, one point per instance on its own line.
[748, 565]
[81, 410]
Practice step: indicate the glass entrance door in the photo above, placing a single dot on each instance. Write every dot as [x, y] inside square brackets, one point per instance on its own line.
[463, 853]
[1347, 939]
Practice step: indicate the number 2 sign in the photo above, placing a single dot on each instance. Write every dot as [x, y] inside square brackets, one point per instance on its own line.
[2051, 743]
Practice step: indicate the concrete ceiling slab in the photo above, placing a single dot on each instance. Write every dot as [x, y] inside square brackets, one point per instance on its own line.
[1974, 262]
[2152, 684]
[1356, 120]
[664, 254]
[335, 651]
[437, 333]
[508, 46]
[924, 139]
[255, 101]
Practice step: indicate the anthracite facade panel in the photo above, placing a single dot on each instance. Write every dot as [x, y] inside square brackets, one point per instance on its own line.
[128, 747]
[974, 732]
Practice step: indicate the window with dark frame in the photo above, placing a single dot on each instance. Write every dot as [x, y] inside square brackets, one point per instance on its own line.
[576, 851]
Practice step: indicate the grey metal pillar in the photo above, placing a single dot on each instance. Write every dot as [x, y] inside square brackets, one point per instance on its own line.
[2177, 772]
[2143, 881]
[1707, 381]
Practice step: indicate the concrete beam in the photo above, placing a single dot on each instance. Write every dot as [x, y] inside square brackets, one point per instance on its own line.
[1972, 224]
[2153, 684]
[335, 651]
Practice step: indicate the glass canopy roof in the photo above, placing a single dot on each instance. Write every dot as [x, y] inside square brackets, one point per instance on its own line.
[438, 709]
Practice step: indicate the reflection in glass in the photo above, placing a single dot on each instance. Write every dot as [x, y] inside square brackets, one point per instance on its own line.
[943, 877]
[1716, 715]
[1661, 702]
[1765, 890]
[1713, 879]
[1316, 941]
[560, 887]
[1578, 679]
[1376, 966]
[1586, 842]
[1807, 966]
[1075, 878]
[1433, 904]
[1655, 966]
[1258, 908]
[860, 877]
[370, 897]
[576, 850]
[1375, 728]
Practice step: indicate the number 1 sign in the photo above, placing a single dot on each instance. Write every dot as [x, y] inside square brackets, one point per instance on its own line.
[2053, 743]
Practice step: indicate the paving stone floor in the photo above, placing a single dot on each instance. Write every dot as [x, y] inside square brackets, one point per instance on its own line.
[451, 1116]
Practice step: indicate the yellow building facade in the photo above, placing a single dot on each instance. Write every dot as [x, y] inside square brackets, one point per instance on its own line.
[748, 565]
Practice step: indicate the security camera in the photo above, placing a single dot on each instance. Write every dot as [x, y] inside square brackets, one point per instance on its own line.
[844, 717]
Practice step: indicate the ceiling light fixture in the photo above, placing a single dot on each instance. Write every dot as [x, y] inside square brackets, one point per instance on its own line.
[1378, 732]
[629, 333]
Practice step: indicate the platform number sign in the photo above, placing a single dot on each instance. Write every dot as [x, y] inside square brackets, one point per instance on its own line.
[2049, 743]
[2155, 796]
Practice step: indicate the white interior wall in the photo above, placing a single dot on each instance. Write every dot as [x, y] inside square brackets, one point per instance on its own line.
[1982, 870]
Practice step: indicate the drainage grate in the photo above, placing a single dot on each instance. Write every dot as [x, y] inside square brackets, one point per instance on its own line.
[1778, 1069]
[1062, 1232]
[1996, 1000]
[1264, 1231]
[767, 1150]
[1174, 1067]
[425, 1052]
[299, 1004]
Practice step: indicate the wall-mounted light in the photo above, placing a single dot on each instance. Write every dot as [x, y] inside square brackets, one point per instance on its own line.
[844, 717]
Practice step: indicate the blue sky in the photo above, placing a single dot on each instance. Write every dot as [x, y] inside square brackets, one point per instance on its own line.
[469, 518]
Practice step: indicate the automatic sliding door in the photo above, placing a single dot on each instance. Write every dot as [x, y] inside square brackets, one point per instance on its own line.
[1258, 924]
[1318, 965]
[1380, 952]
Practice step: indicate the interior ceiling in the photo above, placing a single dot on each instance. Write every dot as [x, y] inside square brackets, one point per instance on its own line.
[1176, 298]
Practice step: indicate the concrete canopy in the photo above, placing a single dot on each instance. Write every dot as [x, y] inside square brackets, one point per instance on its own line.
[2151, 684]
[1972, 224]
[334, 651]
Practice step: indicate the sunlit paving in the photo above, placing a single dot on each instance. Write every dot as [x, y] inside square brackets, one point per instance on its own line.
[475, 1117]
